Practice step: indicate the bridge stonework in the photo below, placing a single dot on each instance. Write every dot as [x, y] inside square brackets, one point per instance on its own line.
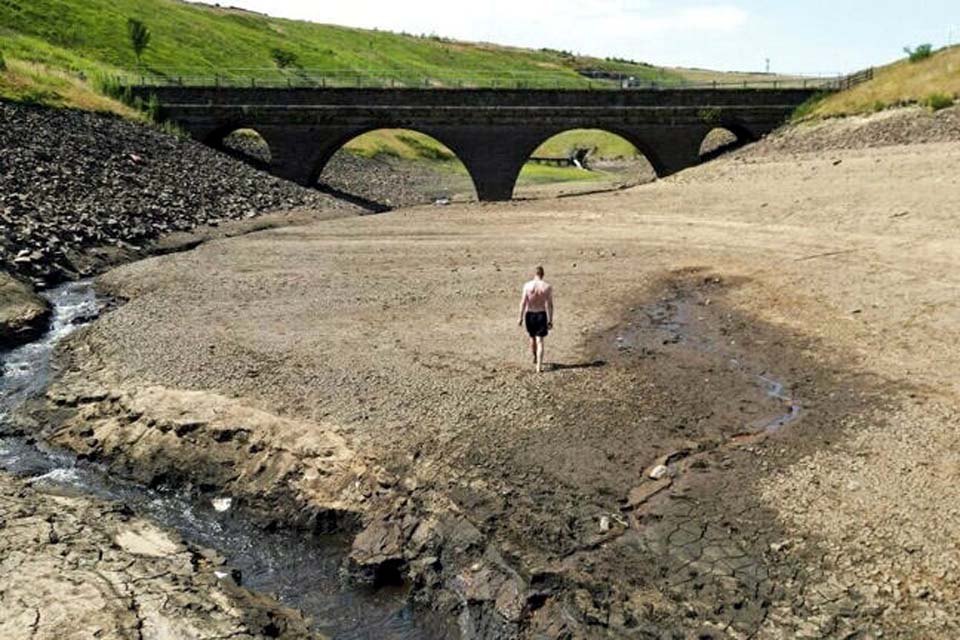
[492, 131]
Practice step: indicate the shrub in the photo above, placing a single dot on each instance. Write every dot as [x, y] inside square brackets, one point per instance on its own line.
[879, 105]
[922, 52]
[938, 101]
[3, 63]
[283, 58]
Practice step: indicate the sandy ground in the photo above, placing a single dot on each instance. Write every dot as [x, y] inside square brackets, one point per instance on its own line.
[369, 373]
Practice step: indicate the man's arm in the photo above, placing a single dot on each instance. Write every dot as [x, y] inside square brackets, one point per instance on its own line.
[523, 306]
[550, 307]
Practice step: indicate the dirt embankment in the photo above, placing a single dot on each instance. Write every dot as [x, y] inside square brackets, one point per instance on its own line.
[368, 373]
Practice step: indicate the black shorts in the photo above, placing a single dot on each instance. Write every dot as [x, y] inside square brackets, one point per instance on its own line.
[536, 323]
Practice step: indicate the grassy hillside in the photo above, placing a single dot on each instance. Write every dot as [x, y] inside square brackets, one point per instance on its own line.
[934, 81]
[90, 36]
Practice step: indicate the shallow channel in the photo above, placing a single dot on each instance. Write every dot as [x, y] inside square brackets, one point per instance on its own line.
[301, 572]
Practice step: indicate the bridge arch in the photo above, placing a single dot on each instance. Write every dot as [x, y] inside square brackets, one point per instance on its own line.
[724, 138]
[452, 175]
[242, 140]
[585, 148]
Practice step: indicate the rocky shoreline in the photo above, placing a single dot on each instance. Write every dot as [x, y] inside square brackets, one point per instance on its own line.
[82, 191]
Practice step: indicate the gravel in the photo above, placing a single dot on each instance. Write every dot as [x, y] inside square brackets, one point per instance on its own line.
[903, 126]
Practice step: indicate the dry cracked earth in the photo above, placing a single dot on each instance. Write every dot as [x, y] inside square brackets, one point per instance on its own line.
[748, 428]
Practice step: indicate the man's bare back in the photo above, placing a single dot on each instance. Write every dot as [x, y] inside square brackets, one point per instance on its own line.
[536, 312]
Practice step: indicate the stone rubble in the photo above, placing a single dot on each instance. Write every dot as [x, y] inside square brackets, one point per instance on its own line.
[73, 182]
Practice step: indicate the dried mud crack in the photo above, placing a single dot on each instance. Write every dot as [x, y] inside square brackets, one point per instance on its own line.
[578, 529]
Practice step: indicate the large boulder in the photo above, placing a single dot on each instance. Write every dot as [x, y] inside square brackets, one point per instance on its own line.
[23, 314]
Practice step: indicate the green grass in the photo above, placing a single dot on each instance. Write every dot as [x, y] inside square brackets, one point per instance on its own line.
[70, 53]
[544, 174]
[606, 145]
[202, 40]
[901, 83]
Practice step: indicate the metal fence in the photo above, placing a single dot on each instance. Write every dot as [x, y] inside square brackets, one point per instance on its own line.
[319, 78]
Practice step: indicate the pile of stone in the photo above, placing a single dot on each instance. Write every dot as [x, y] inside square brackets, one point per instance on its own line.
[71, 181]
[901, 126]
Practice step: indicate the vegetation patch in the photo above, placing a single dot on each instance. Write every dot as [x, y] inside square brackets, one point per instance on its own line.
[938, 101]
[922, 52]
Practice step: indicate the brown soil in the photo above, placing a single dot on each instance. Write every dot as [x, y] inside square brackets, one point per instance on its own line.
[369, 371]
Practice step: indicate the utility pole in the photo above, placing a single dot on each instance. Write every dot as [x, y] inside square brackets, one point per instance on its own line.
[768, 65]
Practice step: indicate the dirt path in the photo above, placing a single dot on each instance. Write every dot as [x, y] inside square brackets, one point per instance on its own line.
[369, 371]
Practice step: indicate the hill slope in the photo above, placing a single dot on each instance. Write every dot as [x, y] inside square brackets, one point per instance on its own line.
[900, 83]
[90, 36]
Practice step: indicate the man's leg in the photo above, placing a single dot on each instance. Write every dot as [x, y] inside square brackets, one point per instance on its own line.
[533, 349]
[539, 354]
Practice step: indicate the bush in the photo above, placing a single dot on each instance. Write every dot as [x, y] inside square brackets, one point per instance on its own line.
[922, 52]
[3, 63]
[283, 58]
[938, 101]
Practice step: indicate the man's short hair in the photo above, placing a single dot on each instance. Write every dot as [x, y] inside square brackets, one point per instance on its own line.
[539, 271]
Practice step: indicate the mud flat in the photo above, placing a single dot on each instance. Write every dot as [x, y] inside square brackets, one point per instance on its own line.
[748, 430]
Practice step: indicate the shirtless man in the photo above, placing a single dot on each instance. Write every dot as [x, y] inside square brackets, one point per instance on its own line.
[536, 312]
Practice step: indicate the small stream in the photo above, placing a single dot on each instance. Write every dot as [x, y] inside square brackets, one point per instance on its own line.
[301, 572]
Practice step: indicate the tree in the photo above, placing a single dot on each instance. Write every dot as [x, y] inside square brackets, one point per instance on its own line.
[139, 37]
[283, 58]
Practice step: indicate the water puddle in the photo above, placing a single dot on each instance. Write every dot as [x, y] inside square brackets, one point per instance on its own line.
[301, 572]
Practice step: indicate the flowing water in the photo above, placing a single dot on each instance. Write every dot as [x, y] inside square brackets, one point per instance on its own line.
[300, 571]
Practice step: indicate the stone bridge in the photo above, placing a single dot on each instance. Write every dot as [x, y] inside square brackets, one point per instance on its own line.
[492, 131]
